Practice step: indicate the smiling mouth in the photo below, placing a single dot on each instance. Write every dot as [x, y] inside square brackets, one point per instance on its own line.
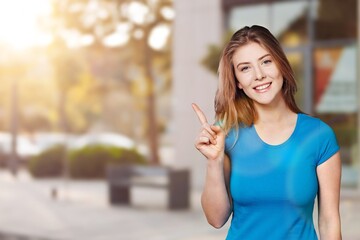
[262, 87]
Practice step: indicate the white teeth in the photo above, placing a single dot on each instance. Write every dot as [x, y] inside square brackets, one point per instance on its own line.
[262, 87]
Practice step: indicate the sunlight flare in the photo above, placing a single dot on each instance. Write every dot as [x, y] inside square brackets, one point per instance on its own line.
[20, 23]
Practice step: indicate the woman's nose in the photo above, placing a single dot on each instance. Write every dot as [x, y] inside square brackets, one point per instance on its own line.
[259, 74]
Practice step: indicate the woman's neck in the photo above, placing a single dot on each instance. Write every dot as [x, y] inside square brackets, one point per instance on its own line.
[275, 113]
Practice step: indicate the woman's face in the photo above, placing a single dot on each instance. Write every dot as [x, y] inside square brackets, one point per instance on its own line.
[257, 74]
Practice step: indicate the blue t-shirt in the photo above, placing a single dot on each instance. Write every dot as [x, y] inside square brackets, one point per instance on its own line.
[273, 187]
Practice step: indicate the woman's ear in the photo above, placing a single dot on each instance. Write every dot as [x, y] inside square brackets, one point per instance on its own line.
[239, 85]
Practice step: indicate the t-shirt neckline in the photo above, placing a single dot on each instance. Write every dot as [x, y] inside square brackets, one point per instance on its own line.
[283, 143]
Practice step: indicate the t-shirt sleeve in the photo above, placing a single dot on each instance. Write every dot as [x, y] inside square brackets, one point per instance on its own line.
[328, 145]
[230, 141]
[227, 144]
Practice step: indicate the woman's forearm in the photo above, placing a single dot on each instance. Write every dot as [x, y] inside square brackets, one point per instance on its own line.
[330, 229]
[215, 200]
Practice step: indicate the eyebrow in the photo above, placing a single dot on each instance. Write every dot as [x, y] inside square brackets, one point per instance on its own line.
[268, 54]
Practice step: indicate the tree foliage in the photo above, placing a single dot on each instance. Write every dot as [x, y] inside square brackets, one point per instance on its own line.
[129, 27]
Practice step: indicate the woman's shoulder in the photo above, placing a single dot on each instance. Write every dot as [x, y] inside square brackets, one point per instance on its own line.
[313, 123]
[310, 119]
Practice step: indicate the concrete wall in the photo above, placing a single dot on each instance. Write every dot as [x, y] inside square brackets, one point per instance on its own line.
[198, 23]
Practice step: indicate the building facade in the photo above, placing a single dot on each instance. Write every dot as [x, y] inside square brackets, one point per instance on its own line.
[321, 41]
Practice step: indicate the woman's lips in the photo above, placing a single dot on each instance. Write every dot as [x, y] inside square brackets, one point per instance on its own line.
[263, 87]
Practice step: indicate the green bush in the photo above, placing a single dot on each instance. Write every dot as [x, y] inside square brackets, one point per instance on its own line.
[48, 163]
[128, 156]
[90, 162]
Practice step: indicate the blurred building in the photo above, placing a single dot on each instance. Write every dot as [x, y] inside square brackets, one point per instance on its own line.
[320, 39]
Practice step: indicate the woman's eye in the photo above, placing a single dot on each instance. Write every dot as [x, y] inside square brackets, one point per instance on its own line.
[244, 68]
[267, 61]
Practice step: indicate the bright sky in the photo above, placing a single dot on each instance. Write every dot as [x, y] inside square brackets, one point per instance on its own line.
[18, 23]
[19, 26]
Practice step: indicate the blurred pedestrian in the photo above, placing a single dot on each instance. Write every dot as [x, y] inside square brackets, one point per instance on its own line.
[266, 159]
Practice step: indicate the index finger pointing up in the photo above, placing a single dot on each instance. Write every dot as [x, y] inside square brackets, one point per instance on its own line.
[200, 114]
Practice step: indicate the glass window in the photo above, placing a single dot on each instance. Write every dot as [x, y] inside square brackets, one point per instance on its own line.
[336, 20]
[289, 20]
[335, 101]
[297, 64]
[249, 15]
[335, 80]
[286, 20]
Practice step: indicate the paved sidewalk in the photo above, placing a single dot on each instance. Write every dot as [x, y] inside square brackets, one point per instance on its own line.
[82, 212]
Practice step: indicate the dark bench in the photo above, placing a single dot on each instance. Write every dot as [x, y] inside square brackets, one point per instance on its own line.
[176, 181]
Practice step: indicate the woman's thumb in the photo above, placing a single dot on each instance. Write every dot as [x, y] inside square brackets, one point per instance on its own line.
[216, 129]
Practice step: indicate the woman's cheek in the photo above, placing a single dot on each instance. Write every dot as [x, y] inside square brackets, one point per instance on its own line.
[244, 79]
[273, 72]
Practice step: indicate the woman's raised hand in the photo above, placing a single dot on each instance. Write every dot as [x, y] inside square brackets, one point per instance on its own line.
[211, 139]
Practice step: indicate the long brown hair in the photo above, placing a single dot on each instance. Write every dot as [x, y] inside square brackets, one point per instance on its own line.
[232, 106]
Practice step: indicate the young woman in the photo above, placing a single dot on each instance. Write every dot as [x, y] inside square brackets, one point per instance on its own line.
[266, 160]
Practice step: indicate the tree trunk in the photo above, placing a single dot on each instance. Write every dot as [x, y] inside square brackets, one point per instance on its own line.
[64, 126]
[153, 128]
[151, 104]
[62, 111]
[13, 161]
